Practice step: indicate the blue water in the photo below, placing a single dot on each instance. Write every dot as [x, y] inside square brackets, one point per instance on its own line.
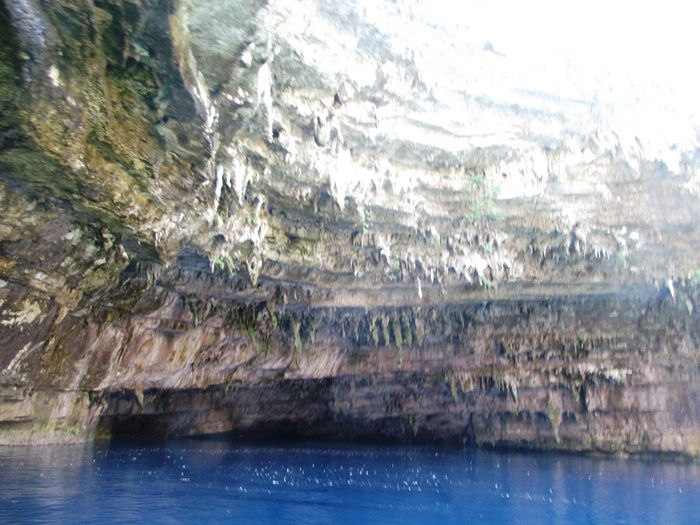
[213, 482]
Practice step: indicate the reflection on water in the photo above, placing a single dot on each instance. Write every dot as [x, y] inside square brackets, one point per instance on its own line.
[211, 482]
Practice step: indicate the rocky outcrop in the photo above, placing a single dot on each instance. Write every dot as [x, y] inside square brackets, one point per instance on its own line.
[295, 218]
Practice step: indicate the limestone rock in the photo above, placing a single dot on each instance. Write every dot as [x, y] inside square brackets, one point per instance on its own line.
[343, 219]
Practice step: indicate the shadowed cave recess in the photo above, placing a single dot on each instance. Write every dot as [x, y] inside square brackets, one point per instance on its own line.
[340, 220]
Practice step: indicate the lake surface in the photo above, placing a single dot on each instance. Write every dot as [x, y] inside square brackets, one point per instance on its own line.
[218, 482]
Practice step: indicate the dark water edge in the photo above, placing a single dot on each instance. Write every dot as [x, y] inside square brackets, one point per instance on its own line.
[217, 481]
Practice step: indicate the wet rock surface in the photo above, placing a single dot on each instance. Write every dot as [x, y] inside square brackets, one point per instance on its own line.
[291, 218]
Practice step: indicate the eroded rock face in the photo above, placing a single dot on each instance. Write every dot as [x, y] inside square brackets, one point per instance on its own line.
[298, 217]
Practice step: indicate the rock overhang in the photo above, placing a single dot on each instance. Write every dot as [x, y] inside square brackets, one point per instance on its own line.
[275, 189]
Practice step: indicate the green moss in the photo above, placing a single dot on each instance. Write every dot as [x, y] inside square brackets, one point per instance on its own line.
[250, 219]
[366, 219]
[375, 334]
[481, 199]
[396, 329]
[251, 333]
[408, 333]
[227, 262]
[76, 36]
[298, 346]
[485, 282]
[9, 78]
[19, 158]
[394, 266]
[385, 332]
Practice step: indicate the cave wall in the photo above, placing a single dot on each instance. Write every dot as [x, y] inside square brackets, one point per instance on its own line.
[267, 219]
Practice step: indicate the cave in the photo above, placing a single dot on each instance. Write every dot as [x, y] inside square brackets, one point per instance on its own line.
[343, 221]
